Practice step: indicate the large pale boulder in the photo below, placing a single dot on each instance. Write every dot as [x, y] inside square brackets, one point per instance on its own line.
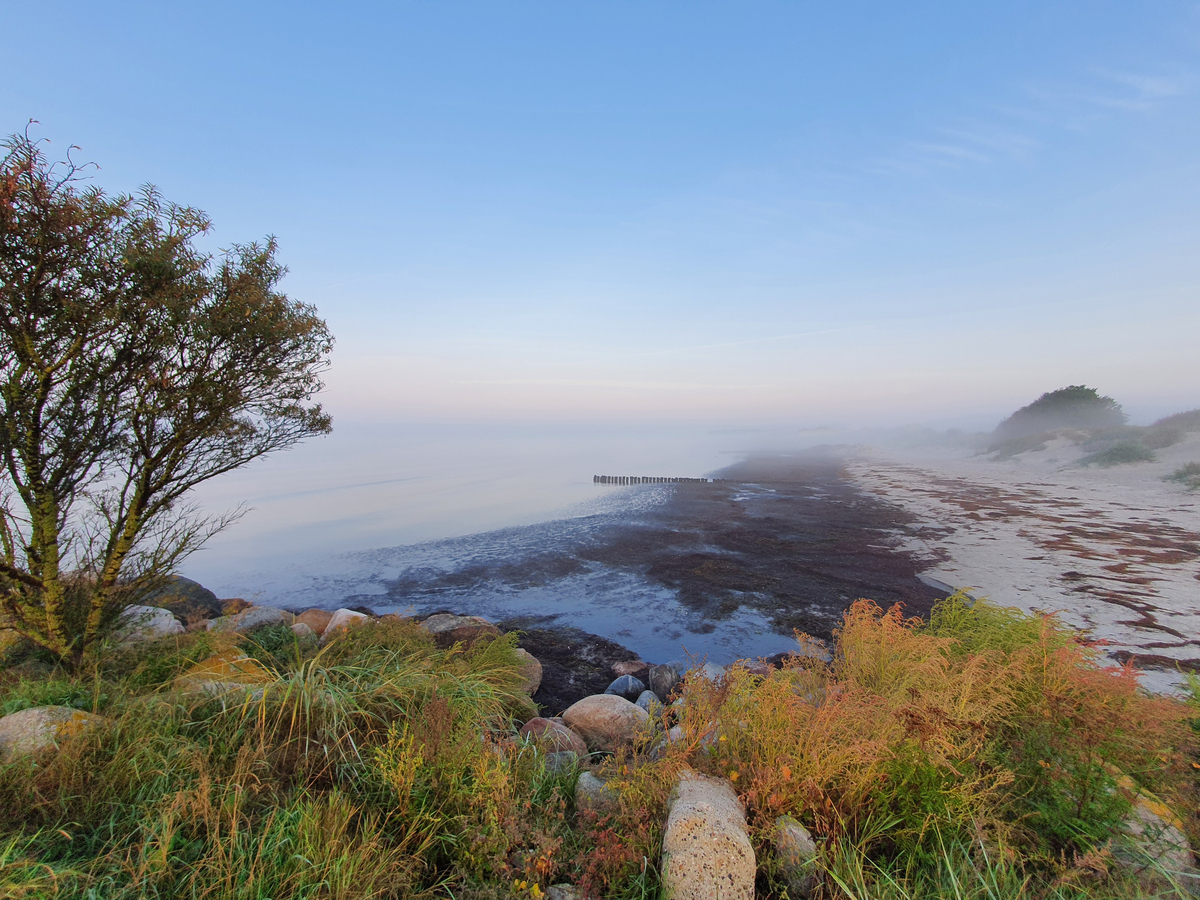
[145, 623]
[1161, 846]
[42, 728]
[605, 721]
[706, 851]
[224, 672]
[251, 617]
[531, 672]
[343, 619]
[448, 629]
[554, 735]
[316, 619]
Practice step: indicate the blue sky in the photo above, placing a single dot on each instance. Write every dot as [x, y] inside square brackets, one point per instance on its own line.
[815, 213]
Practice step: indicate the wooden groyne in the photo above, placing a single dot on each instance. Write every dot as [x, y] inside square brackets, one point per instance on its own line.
[650, 479]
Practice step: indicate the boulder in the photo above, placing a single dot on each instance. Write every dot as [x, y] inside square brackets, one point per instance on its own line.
[706, 850]
[224, 672]
[343, 619]
[712, 671]
[626, 686]
[1162, 847]
[564, 892]
[251, 617]
[561, 761]
[554, 735]
[145, 623]
[302, 631]
[634, 667]
[648, 700]
[448, 629]
[663, 680]
[795, 850]
[605, 721]
[186, 599]
[316, 619]
[531, 672]
[41, 728]
[594, 795]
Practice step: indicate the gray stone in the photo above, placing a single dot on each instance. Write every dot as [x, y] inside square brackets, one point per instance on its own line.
[712, 671]
[303, 632]
[593, 794]
[531, 672]
[186, 599]
[448, 629]
[1161, 847]
[605, 721]
[706, 851]
[343, 619]
[145, 623]
[648, 700]
[564, 892]
[562, 761]
[554, 735]
[626, 686]
[42, 728]
[251, 617]
[796, 851]
[663, 680]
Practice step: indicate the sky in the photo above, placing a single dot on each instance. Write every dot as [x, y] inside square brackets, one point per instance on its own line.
[799, 213]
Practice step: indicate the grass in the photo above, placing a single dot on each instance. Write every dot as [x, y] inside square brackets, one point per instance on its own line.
[1188, 475]
[1120, 453]
[982, 754]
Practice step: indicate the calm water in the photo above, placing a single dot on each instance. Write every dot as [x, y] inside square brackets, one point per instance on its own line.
[471, 519]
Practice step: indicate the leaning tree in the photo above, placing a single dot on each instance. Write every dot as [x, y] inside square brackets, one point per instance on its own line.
[133, 366]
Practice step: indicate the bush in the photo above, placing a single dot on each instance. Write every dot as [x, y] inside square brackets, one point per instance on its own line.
[1076, 406]
[1120, 453]
[1187, 475]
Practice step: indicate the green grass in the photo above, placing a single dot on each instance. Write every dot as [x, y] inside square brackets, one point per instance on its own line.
[1188, 475]
[984, 754]
[1120, 453]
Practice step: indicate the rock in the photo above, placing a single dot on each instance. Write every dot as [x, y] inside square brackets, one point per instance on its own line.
[564, 892]
[706, 851]
[343, 619]
[562, 761]
[1161, 843]
[221, 673]
[448, 629]
[757, 667]
[593, 794]
[554, 735]
[634, 667]
[251, 617]
[187, 600]
[663, 680]
[796, 850]
[531, 672]
[316, 619]
[605, 721]
[674, 735]
[234, 605]
[42, 728]
[302, 631]
[145, 623]
[626, 686]
[712, 671]
[648, 700]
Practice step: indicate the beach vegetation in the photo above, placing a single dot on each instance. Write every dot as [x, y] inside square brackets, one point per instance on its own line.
[1075, 407]
[1188, 475]
[981, 753]
[133, 366]
[1119, 453]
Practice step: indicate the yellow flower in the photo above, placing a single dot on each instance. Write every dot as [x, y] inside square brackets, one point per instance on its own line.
[733, 776]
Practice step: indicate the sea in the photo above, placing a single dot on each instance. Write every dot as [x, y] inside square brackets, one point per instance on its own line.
[480, 519]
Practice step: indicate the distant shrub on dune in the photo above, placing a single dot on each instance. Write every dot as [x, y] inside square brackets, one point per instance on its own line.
[1185, 421]
[1188, 476]
[1076, 406]
[1120, 453]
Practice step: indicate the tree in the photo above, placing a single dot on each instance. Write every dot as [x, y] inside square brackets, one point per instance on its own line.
[133, 366]
[1077, 406]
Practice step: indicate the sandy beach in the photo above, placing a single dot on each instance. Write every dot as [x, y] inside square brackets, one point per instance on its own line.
[1115, 551]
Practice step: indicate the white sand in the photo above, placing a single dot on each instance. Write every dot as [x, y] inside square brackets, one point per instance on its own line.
[1115, 551]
